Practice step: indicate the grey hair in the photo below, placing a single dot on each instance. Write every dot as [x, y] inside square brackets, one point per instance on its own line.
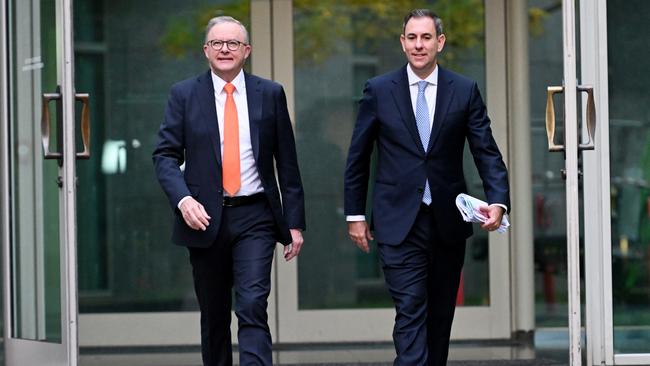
[419, 13]
[224, 19]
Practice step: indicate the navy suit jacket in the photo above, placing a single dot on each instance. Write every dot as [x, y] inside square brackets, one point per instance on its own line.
[386, 119]
[189, 134]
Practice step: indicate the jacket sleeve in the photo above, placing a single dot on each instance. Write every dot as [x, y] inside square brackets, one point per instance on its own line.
[169, 154]
[485, 151]
[357, 170]
[293, 197]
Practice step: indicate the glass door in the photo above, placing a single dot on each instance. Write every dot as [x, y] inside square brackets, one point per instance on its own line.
[582, 88]
[614, 37]
[38, 204]
[323, 54]
[135, 285]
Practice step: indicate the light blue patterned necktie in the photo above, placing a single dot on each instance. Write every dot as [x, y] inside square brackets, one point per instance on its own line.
[424, 129]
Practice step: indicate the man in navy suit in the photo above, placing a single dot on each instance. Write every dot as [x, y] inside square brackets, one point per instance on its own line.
[419, 118]
[228, 128]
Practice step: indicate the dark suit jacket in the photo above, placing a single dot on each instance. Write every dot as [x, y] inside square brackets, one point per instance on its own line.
[190, 133]
[386, 118]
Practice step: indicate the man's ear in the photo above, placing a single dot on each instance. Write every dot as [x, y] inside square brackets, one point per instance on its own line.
[441, 42]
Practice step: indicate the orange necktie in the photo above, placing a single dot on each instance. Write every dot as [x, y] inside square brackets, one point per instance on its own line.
[231, 170]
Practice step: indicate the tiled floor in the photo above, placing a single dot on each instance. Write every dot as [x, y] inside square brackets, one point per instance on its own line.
[548, 351]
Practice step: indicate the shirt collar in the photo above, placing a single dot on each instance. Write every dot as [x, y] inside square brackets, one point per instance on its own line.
[413, 78]
[239, 82]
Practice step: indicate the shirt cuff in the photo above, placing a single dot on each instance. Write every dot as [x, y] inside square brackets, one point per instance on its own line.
[354, 218]
[505, 208]
[182, 200]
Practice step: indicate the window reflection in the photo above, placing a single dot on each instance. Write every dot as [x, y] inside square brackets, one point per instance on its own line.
[127, 262]
[629, 133]
[549, 197]
[337, 47]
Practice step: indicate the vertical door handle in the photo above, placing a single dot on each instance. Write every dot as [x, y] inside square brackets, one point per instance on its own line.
[591, 118]
[550, 118]
[85, 125]
[46, 126]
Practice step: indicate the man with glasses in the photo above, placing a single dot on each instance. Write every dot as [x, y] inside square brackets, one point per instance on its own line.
[232, 131]
[419, 118]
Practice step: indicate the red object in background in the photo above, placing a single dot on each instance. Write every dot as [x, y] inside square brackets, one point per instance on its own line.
[542, 217]
[549, 288]
[460, 296]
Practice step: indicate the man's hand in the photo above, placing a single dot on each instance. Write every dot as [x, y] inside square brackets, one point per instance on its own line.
[194, 214]
[292, 250]
[360, 234]
[494, 213]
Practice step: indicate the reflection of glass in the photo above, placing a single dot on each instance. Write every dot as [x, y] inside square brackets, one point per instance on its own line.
[126, 260]
[114, 157]
[338, 46]
[36, 279]
[629, 86]
[549, 198]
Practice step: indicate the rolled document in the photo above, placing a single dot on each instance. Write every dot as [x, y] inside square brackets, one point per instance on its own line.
[469, 209]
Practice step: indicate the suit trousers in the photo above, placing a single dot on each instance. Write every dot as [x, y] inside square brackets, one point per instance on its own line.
[240, 257]
[422, 274]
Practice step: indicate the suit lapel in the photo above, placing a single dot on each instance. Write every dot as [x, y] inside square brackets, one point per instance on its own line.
[402, 97]
[254, 100]
[209, 109]
[444, 95]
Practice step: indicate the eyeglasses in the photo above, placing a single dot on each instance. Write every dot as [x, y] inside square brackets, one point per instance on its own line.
[232, 45]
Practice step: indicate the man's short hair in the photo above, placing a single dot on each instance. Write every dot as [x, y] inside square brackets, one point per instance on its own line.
[224, 19]
[420, 13]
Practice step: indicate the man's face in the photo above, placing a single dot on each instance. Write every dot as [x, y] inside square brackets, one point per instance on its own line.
[224, 62]
[421, 45]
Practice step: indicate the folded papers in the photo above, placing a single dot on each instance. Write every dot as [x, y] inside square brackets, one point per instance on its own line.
[469, 209]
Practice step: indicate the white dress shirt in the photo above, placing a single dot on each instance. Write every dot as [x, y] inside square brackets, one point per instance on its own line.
[250, 179]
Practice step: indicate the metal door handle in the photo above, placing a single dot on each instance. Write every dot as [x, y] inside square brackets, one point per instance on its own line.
[46, 126]
[550, 118]
[590, 120]
[85, 125]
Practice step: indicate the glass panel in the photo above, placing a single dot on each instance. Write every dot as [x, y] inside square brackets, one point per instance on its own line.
[35, 253]
[337, 47]
[127, 262]
[628, 32]
[549, 193]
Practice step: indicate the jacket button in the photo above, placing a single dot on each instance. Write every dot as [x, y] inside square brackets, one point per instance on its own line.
[420, 190]
[219, 191]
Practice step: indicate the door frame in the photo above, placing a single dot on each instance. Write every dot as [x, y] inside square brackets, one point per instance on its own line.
[597, 234]
[20, 351]
[372, 325]
[4, 159]
[598, 245]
